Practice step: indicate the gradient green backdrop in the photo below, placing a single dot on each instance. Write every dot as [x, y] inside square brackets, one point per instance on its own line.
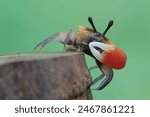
[24, 23]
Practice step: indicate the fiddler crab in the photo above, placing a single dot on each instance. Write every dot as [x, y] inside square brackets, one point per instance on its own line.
[93, 43]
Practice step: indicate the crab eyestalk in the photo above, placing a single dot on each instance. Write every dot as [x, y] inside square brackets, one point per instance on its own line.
[92, 23]
[108, 27]
[111, 56]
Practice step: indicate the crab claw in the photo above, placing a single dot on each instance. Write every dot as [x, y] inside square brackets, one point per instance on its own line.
[108, 54]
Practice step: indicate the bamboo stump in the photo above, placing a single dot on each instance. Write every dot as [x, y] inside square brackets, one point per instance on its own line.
[44, 76]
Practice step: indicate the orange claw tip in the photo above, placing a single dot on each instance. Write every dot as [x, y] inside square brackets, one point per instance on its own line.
[115, 59]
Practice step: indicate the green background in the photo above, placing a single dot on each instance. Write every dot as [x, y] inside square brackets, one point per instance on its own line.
[24, 23]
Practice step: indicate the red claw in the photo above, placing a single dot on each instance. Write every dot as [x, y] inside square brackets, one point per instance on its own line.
[115, 59]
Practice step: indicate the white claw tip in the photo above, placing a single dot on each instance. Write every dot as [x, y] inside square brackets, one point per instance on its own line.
[97, 54]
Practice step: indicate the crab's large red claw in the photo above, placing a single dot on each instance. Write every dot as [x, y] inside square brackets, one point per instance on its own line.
[108, 54]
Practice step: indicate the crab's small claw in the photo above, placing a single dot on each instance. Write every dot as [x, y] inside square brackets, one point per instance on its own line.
[108, 54]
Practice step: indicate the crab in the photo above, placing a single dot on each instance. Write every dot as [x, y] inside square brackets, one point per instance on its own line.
[93, 43]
